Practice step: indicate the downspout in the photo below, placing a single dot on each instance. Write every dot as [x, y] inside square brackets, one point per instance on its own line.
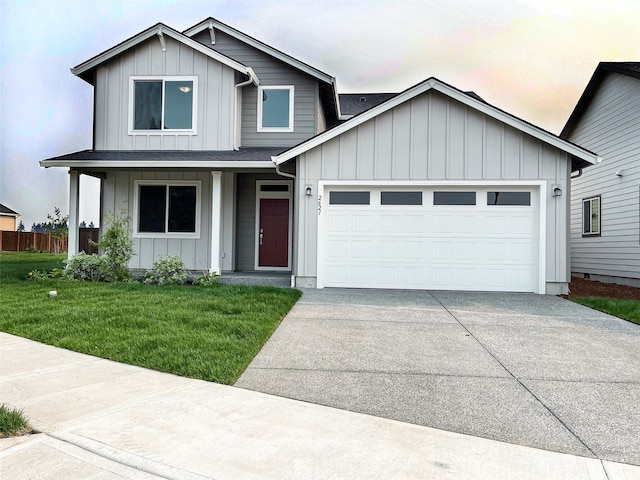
[293, 177]
[578, 175]
[252, 79]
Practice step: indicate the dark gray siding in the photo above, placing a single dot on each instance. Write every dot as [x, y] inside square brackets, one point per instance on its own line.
[270, 71]
[246, 220]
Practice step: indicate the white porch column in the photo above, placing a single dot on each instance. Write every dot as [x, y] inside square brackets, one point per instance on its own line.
[74, 213]
[216, 221]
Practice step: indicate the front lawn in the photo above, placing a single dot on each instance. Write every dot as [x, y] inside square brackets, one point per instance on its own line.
[627, 309]
[210, 333]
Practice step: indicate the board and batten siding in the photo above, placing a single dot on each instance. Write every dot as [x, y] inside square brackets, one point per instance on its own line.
[215, 102]
[431, 138]
[270, 71]
[118, 193]
[610, 126]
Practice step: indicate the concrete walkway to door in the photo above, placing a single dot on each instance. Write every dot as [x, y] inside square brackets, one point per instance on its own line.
[527, 369]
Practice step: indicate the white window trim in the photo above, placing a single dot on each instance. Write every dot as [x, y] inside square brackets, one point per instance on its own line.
[591, 233]
[291, 109]
[165, 234]
[192, 78]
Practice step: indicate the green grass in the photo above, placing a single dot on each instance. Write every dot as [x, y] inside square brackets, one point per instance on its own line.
[210, 333]
[626, 309]
[12, 422]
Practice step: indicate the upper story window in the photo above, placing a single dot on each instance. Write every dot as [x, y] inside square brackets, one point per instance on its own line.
[591, 216]
[162, 104]
[275, 109]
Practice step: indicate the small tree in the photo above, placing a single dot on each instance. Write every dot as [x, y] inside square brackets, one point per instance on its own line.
[116, 247]
[59, 229]
[20, 227]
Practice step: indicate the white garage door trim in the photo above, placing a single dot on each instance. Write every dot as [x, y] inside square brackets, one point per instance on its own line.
[537, 186]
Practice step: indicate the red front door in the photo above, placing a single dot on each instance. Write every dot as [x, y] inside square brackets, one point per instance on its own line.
[273, 233]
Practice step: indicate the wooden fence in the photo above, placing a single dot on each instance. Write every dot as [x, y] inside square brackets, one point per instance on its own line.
[11, 241]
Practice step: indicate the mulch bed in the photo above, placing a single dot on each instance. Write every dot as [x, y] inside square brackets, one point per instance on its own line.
[579, 287]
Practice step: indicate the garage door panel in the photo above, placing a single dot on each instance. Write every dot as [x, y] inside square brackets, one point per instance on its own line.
[470, 247]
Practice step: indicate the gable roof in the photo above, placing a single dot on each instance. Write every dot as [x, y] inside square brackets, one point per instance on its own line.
[84, 69]
[274, 52]
[630, 69]
[328, 81]
[7, 212]
[580, 156]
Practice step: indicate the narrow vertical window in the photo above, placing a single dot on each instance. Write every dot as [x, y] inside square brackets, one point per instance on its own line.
[591, 216]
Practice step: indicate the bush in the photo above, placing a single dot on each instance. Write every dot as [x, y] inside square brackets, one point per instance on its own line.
[116, 248]
[168, 270]
[86, 267]
[12, 422]
[206, 279]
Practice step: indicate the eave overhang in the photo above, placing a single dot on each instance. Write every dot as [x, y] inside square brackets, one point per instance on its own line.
[249, 158]
[160, 30]
[583, 156]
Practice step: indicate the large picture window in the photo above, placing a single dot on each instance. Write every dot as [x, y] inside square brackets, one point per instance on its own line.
[275, 109]
[591, 216]
[167, 209]
[163, 104]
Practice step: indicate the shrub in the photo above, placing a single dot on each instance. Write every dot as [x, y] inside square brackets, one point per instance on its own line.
[85, 267]
[37, 276]
[12, 422]
[168, 270]
[116, 247]
[206, 279]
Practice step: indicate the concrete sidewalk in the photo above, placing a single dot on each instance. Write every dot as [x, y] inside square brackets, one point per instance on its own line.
[101, 419]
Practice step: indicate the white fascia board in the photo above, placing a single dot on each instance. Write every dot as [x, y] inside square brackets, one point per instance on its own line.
[141, 37]
[260, 46]
[158, 165]
[435, 84]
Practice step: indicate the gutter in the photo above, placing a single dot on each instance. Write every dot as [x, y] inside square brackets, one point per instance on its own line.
[253, 79]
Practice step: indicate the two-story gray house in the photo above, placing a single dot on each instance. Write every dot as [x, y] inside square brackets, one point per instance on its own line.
[605, 199]
[237, 157]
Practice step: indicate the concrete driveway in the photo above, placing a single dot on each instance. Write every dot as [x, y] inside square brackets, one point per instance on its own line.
[532, 370]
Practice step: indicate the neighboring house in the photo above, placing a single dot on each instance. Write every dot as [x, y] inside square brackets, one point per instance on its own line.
[7, 218]
[605, 198]
[238, 157]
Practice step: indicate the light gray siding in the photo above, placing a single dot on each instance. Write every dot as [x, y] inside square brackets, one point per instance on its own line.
[431, 138]
[118, 193]
[215, 101]
[270, 71]
[610, 126]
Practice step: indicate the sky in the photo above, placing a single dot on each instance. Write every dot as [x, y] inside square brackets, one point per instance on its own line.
[531, 58]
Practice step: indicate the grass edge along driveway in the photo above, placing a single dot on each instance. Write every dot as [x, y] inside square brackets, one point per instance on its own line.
[209, 333]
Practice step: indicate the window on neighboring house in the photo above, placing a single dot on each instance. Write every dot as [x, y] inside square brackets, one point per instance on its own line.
[163, 104]
[591, 216]
[168, 209]
[275, 109]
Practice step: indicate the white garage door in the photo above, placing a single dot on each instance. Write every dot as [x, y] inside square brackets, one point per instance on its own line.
[483, 239]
